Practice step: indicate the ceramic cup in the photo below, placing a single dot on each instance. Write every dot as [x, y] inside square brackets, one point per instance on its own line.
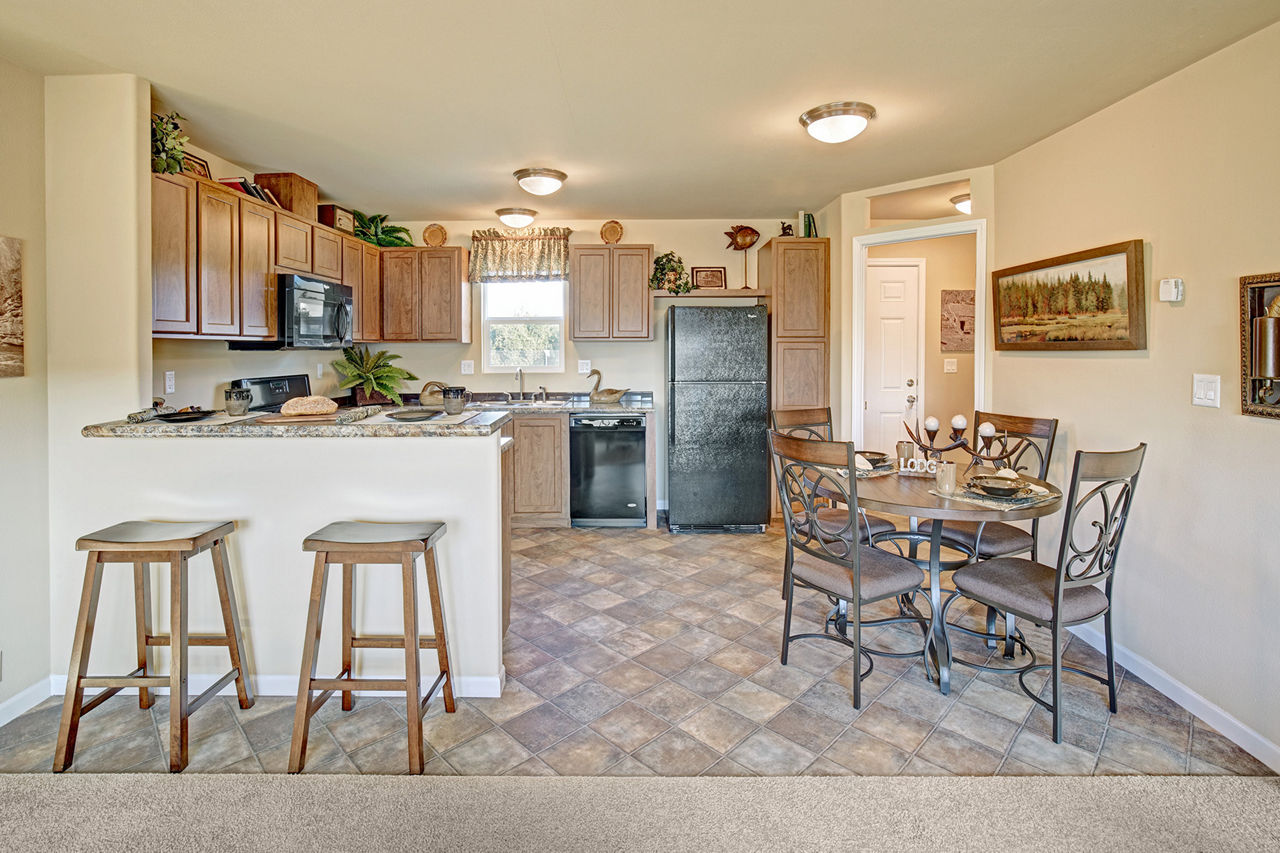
[945, 477]
[455, 399]
[238, 400]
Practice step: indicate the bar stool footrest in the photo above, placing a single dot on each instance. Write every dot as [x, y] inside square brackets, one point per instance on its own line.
[192, 640]
[222, 682]
[390, 641]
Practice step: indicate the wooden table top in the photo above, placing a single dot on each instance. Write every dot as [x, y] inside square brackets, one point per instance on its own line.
[910, 496]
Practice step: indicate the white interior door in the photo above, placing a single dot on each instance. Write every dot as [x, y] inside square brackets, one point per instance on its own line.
[892, 380]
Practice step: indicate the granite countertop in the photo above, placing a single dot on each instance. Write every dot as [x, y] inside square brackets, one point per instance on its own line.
[482, 423]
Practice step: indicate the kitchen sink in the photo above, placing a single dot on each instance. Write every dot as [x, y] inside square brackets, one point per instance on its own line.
[520, 404]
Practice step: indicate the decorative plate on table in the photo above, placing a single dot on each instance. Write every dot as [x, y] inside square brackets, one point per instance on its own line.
[434, 235]
[185, 417]
[1024, 492]
[414, 415]
[611, 231]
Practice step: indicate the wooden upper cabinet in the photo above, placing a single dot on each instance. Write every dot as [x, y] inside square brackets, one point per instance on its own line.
[353, 277]
[370, 297]
[400, 295]
[797, 272]
[590, 273]
[218, 272]
[632, 304]
[800, 374]
[541, 472]
[326, 253]
[173, 255]
[293, 243]
[444, 302]
[257, 270]
[609, 292]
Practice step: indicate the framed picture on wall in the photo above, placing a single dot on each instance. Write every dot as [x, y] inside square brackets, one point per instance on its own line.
[197, 166]
[957, 321]
[1090, 300]
[708, 278]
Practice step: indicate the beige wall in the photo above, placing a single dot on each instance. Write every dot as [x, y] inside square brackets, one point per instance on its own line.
[24, 497]
[1189, 166]
[949, 265]
[203, 368]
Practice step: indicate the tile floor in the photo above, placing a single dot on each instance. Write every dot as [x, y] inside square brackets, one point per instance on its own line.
[640, 653]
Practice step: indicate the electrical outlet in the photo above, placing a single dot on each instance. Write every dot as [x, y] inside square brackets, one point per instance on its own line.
[949, 365]
[584, 365]
[468, 367]
[170, 382]
[319, 370]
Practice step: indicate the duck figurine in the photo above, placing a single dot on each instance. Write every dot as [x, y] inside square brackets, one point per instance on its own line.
[431, 394]
[604, 395]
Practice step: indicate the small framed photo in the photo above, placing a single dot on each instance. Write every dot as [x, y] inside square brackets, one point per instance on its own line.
[708, 278]
[197, 166]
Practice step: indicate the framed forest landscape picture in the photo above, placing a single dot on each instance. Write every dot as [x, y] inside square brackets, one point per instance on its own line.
[1090, 300]
[11, 334]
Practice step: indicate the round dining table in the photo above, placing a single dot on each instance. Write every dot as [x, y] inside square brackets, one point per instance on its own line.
[903, 494]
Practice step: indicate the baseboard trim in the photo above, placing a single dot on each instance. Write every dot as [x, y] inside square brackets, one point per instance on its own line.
[1231, 728]
[21, 702]
[466, 687]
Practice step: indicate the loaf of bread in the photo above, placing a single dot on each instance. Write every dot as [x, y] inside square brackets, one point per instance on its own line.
[309, 406]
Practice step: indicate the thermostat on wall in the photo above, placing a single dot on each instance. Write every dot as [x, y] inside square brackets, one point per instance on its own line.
[1170, 290]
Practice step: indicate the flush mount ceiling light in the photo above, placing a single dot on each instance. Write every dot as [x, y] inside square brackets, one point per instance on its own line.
[837, 122]
[962, 203]
[515, 217]
[540, 181]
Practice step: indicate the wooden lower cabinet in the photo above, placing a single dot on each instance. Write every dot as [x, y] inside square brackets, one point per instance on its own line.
[508, 469]
[540, 487]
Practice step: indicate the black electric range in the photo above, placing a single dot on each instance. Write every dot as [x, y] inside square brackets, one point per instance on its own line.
[272, 392]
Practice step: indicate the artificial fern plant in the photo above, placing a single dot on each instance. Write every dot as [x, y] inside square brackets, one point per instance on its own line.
[372, 373]
[167, 143]
[374, 229]
[669, 274]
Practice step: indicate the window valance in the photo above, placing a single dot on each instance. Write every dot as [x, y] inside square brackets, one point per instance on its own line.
[530, 254]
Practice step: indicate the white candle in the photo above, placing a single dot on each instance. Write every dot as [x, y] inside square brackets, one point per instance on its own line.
[931, 424]
[986, 429]
[959, 422]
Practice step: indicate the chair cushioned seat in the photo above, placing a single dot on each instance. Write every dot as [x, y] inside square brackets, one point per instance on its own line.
[372, 533]
[1024, 586]
[883, 574]
[832, 520]
[998, 539]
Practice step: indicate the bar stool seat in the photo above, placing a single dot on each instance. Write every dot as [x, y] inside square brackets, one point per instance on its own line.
[364, 542]
[142, 543]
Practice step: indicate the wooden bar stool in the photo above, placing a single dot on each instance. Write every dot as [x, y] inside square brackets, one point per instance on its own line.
[142, 543]
[351, 543]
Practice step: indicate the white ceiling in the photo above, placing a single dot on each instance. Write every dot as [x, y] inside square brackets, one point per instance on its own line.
[656, 109]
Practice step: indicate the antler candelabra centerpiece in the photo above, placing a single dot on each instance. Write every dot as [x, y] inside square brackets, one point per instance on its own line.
[993, 448]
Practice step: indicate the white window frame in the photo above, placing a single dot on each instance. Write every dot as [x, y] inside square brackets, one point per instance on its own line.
[486, 321]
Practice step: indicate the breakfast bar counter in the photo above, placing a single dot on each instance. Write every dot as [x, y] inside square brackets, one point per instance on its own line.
[221, 426]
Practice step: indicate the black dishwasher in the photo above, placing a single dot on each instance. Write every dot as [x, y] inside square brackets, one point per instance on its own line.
[606, 471]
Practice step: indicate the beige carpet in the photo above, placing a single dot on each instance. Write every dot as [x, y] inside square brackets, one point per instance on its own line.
[399, 813]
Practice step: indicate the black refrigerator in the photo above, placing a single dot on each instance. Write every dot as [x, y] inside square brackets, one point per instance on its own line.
[717, 419]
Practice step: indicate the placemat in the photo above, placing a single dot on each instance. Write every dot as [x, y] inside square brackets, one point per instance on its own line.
[1003, 504]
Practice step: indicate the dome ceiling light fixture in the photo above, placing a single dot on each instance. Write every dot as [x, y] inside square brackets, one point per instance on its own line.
[962, 203]
[516, 217]
[839, 121]
[540, 181]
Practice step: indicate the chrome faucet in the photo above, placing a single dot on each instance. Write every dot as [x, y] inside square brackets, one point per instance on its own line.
[520, 379]
[542, 391]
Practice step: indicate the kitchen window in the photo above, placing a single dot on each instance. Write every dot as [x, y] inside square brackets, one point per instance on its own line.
[523, 326]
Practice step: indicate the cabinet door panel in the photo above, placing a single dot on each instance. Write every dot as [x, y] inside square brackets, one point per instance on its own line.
[257, 270]
[326, 254]
[632, 304]
[173, 255]
[539, 465]
[370, 328]
[400, 296]
[353, 277]
[800, 374]
[219, 267]
[293, 243]
[439, 277]
[801, 290]
[589, 285]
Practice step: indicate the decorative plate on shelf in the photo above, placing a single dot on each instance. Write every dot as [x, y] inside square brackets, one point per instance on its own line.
[434, 235]
[611, 231]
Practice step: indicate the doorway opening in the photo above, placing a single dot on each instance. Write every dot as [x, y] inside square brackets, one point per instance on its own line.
[919, 329]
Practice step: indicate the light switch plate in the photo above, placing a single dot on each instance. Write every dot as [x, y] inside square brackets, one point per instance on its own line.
[949, 365]
[584, 365]
[170, 382]
[1171, 290]
[468, 367]
[1206, 390]
[319, 370]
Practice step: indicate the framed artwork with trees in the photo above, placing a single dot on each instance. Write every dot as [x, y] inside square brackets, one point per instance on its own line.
[1090, 300]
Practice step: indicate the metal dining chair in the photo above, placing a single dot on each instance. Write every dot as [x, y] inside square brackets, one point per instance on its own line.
[824, 554]
[997, 539]
[1058, 597]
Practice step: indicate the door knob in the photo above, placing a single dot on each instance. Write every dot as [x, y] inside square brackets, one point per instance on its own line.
[911, 399]
[911, 383]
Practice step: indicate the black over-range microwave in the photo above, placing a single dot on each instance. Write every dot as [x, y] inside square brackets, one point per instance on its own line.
[313, 314]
